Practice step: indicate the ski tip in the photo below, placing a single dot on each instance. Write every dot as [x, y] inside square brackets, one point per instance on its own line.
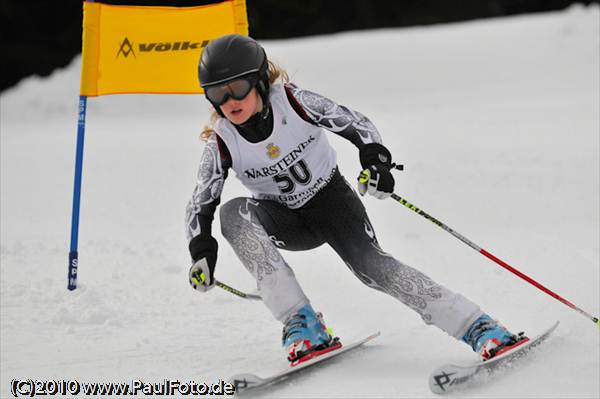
[371, 337]
[245, 381]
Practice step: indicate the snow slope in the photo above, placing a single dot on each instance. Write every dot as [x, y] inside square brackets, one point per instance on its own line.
[498, 125]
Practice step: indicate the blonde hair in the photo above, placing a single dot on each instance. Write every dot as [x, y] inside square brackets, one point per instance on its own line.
[276, 73]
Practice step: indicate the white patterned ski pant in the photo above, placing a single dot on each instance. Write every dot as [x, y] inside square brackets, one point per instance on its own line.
[258, 229]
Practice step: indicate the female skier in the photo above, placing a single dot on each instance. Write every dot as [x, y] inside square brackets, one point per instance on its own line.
[274, 136]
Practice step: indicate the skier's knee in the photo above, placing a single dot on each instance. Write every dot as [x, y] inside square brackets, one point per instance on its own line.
[230, 216]
[373, 270]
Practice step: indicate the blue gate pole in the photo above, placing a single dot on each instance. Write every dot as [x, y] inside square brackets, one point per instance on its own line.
[73, 255]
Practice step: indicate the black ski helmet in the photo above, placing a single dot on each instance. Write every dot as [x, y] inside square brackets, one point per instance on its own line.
[230, 57]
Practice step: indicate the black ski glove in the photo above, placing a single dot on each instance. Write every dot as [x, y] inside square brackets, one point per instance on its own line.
[203, 249]
[375, 178]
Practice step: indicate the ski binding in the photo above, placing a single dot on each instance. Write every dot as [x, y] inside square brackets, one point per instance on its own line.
[246, 381]
[452, 377]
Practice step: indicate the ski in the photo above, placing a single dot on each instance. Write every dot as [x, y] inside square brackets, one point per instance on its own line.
[451, 377]
[246, 381]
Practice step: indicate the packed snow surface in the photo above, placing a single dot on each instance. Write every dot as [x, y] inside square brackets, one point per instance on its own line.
[497, 124]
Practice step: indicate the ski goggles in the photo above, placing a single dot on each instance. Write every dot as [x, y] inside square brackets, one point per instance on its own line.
[237, 89]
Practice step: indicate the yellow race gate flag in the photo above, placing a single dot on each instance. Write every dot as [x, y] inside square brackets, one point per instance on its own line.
[140, 49]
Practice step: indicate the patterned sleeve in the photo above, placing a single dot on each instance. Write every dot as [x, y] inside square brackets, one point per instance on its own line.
[207, 194]
[339, 119]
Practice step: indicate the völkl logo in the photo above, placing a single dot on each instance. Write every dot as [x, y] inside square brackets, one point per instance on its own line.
[127, 47]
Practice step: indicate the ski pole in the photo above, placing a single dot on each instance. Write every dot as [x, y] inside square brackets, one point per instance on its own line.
[364, 178]
[494, 258]
[239, 293]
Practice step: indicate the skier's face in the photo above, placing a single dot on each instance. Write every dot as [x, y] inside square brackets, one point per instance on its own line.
[239, 111]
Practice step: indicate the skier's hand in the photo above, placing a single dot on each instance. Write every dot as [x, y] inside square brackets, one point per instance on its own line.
[375, 178]
[199, 275]
[203, 249]
[377, 181]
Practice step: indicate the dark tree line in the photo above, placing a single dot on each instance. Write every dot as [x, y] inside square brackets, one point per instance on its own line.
[38, 36]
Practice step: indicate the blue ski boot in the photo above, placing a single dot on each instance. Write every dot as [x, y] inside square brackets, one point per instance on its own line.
[305, 336]
[489, 339]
